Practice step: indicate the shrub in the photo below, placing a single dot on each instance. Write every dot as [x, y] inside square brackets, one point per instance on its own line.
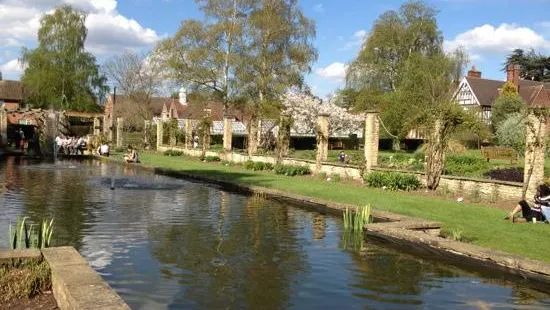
[511, 132]
[258, 166]
[463, 165]
[506, 174]
[292, 170]
[211, 158]
[172, 153]
[335, 178]
[393, 180]
[505, 106]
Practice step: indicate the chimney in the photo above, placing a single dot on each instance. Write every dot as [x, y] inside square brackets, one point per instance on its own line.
[474, 73]
[513, 75]
[183, 96]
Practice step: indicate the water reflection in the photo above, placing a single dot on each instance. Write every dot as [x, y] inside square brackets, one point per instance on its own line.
[194, 246]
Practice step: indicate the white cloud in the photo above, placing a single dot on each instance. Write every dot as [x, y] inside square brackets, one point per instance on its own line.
[319, 8]
[336, 71]
[11, 68]
[501, 39]
[109, 32]
[356, 40]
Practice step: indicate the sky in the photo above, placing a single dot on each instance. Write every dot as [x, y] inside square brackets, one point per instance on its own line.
[487, 29]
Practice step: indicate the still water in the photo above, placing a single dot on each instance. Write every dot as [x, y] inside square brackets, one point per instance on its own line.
[164, 243]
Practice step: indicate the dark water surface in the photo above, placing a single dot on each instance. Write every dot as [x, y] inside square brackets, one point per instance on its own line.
[163, 243]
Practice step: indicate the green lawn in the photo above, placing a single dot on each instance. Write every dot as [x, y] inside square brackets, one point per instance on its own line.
[483, 225]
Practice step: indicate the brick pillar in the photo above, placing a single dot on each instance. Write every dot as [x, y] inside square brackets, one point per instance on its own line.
[227, 134]
[322, 138]
[372, 134]
[147, 134]
[3, 127]
[188, 134]
[160, 132]
[535, 144]
[119, 123]
[97, 126]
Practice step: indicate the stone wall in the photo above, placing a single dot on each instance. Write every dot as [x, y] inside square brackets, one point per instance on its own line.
[486, 190]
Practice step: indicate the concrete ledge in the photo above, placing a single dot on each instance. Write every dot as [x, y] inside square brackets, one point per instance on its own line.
[8, 256]
[76, 285]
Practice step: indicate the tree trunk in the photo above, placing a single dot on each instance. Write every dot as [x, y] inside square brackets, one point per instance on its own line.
[396, 144]
[253, 136]
[436, 157]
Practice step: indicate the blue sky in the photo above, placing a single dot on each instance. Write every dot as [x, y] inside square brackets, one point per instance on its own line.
[488, 29]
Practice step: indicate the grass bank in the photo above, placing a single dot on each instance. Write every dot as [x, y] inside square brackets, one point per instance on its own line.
[482, 225]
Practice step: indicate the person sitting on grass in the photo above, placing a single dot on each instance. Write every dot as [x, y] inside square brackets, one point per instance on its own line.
[131, 156]
[103, 150]
[531, 210]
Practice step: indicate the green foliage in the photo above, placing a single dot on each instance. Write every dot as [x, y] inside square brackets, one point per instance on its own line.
[503, 107]
[509, 89]
[25, 236]
[258, 166]
[24, 279]
[465, 165]
[210, 158]
[403, 161]
[59, 73]
[393, 180]
[292, 170]
[335, 178]
[358, 219]
[533, 66]
[172, 153]
[512, 131]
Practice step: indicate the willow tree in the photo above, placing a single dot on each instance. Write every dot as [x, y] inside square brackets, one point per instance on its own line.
[59, 73]
[380, 64]
[429, 84]
[277, 51]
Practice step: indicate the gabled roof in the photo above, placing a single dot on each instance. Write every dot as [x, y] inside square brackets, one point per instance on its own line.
[486, 91]
[11, 90]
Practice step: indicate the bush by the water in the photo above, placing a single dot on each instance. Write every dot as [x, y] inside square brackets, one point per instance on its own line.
[173, 153]
[468, 166]
[393, 180]
[258, 166]
[292, 170]
[506, 174]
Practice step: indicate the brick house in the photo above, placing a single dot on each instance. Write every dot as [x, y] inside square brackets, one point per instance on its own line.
[475, 91]
[11, 94]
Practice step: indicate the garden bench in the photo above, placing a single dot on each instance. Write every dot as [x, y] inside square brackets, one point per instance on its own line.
[497, 152]
[336, 145]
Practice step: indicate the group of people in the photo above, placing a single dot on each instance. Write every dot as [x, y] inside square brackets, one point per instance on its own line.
[70, 145]
[131, 155]
[536, 210]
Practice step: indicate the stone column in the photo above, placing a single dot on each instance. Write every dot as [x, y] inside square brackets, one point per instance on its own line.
[119, 123]
[372, 134]
[97, 126]
[160, 132]
[322, 138]
[227, 134]
[147, 134]
[535, 144]
[188, 134]
[3, 127]
[172, 135]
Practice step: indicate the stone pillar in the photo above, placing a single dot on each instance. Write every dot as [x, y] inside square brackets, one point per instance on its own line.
[97, 126]
[3, 127]
[172, 135]
[535, 144]
[119, 123]
[227, 134]
[160, 132]
[147, 134]
[188, 134]
[372, 134]
[322, 138]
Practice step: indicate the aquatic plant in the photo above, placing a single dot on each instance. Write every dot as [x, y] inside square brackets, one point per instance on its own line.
[24, 236]
[358, 219]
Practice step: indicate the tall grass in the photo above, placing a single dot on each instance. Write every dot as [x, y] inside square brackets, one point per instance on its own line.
[358, 219]
[25, 236]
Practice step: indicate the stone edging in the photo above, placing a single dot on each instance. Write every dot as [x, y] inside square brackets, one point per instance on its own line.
[394, 228]
[75, 284]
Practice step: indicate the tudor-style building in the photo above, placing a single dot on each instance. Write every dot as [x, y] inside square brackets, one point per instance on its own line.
[475, 91]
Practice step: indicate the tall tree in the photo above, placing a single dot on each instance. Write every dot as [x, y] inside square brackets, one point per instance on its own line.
[534, 66]
[59, 73]
[379, 66]
[138, 77]
[278, 50]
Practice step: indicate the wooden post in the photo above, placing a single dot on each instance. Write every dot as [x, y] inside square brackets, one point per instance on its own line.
[372, 134]
[119, 139]
[227, 134]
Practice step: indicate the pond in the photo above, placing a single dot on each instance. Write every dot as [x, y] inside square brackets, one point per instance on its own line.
[165, 243]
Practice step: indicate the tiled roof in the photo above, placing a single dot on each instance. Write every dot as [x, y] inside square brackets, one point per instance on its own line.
[486, 91]
[11, 90]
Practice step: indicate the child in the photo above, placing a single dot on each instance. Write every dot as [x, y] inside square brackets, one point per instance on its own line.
[342, 157]
[131, 156]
